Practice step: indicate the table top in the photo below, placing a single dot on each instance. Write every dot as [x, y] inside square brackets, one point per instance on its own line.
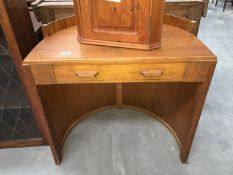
[63, 47]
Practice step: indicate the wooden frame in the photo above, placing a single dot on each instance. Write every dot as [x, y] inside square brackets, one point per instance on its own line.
[22, 143]
[16, 23]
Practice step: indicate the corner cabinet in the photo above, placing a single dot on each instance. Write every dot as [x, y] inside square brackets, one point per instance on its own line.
[121, 23]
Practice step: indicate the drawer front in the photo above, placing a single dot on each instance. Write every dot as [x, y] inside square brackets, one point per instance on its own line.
[119, 73]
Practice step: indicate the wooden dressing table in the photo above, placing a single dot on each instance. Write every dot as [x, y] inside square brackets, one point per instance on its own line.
[72, 80]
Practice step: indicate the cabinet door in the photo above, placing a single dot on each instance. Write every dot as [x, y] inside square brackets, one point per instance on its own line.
[116, 20]
[115, 15]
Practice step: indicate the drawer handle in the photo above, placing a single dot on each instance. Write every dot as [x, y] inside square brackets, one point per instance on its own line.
[87, 74]
[151, 73]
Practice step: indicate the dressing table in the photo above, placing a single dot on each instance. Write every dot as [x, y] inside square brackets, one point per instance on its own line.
[70, 81]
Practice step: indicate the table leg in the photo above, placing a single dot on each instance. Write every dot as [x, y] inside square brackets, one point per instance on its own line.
[200, 98]
[38, 111]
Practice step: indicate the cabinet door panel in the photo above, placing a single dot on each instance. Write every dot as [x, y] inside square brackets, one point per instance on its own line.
[116, 20]
[110, 15]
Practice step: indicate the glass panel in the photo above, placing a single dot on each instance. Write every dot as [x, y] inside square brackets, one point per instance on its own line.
[16, 120]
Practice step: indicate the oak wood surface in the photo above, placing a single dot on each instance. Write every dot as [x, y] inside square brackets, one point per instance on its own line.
[62, 47]
[171, 82]
[119, 73]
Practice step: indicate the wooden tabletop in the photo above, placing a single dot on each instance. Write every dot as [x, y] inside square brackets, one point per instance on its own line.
[63, 47]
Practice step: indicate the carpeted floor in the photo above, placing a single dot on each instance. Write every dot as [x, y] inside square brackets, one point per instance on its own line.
[125, 142]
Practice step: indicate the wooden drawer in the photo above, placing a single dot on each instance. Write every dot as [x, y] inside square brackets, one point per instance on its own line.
[120, 73]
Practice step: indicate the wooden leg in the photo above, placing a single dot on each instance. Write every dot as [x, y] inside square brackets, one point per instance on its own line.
[38, 111]
[199, 103]
[199, 100]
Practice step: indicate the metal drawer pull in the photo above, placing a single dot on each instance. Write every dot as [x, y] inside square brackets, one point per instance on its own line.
[151, 73]
[87, 74]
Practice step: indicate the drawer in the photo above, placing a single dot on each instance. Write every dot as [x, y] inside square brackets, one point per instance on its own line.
[120, 73]
[83, 73]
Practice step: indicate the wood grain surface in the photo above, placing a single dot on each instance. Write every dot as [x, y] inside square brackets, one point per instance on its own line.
[62, 47]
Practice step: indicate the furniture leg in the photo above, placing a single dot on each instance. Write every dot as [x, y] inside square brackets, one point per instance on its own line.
[200, 100]
[35, 102]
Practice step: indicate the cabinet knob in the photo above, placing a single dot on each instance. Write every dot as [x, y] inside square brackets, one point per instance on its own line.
[86, 74]
[151, 73]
